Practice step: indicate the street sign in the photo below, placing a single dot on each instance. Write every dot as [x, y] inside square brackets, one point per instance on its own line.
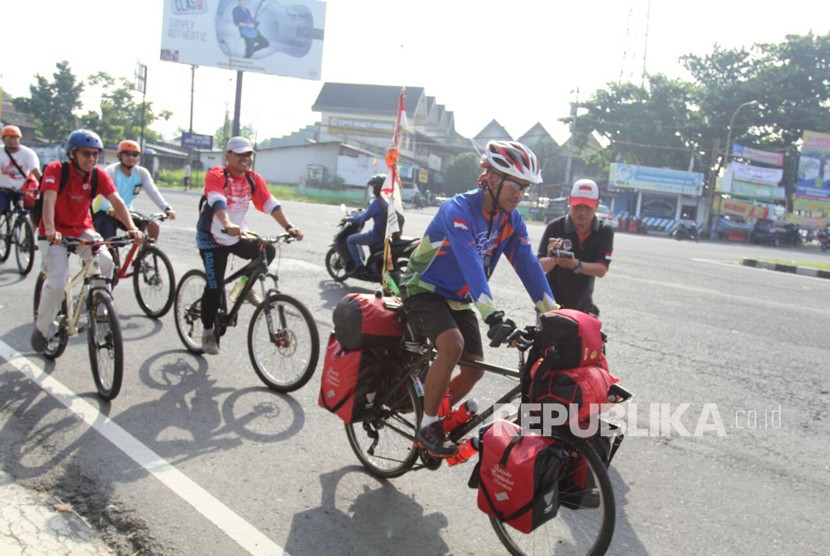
[196, 141]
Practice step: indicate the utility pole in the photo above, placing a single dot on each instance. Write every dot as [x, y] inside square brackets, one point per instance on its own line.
[574, 108]
[141, 86]
[725, 160]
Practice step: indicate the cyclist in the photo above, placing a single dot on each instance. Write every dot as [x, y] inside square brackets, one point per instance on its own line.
[66, 211]
[449, 270]
[377, 211]
[129, 179]
[590, 240]
[229, 190]
[17, 164]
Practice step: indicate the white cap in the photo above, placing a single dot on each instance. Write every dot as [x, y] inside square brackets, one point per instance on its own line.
[585, 192]
[239, 145]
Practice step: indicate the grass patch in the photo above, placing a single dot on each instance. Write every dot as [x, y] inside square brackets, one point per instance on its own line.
[804, 264]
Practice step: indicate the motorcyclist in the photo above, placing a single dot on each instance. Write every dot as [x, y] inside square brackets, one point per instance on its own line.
[377, 211]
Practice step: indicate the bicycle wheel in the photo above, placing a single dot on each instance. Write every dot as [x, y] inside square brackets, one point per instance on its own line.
[188, 310]
[286, 361]
[336, 266]
[385, 442]
[24, 245]
[584, 530]
[106, 350]
[5, 235]
[57, 342]
[153, 282]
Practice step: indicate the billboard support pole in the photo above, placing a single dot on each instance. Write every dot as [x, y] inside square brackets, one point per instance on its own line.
[238, 103]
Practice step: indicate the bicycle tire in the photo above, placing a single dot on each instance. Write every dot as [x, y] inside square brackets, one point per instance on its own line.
[583, 531]
[288, 362]
[385, 442]
[24, 244]
[188, 310]
[106, 348]
[56, 344]
[336, 266]
[5, 235]
[153, 282]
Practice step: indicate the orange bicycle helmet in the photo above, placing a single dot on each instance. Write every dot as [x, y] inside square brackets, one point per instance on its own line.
[11, 131]
[129, 146]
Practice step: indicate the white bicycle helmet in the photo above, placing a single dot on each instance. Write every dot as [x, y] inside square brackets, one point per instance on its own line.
[512, 159]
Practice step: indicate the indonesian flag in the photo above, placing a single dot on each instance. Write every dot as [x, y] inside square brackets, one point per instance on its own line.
[392, 187]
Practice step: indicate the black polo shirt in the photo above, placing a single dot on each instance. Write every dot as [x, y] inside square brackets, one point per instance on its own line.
[575, 291]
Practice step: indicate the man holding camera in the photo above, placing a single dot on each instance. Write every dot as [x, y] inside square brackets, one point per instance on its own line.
[576, 248]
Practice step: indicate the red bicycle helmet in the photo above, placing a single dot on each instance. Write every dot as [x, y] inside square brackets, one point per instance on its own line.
[512, 159]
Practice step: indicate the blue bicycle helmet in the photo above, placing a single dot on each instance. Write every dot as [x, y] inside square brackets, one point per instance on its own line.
[83, 138]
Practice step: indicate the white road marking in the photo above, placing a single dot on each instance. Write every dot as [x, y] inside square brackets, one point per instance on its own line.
[234, 526]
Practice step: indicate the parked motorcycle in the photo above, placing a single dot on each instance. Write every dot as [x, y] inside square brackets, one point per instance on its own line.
[685, 230]
[339, 262]
[823, 237]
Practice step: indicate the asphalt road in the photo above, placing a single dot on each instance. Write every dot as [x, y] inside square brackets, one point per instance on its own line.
[728, 456]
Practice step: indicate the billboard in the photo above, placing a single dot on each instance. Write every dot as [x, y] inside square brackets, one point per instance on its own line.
[658, 180]
[264, 36]
[195, 141]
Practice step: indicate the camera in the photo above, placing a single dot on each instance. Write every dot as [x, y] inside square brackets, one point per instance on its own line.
[561, 254]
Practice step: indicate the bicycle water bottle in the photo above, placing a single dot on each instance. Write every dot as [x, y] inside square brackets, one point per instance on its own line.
[467, 450]
[460, 415]
[237, 289]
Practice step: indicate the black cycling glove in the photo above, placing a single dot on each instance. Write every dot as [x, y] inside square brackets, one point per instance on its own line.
[500, 328]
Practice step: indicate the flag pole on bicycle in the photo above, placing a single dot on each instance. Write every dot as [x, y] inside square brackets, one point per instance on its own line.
[391, 192]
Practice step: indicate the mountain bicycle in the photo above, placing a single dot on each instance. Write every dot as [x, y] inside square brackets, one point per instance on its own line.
[16, 229]
[384, 442]
[283, 342]
[87, 306]
[153, 280]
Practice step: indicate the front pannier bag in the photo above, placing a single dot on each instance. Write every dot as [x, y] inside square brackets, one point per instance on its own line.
[518, 476]
[365, 320]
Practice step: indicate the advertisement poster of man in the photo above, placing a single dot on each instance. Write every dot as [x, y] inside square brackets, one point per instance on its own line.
[265, 36]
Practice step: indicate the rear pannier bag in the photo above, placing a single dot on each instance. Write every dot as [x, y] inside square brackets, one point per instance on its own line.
[585, 388]
[350, 381]
[518, 476]
[365, 320]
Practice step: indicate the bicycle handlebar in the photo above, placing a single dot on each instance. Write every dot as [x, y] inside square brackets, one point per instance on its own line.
[284, 237]
[74, 242]
[160, 216]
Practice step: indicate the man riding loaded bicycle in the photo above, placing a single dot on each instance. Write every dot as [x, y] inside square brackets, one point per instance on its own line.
[228, 192]
[449, 271]
[68, 189]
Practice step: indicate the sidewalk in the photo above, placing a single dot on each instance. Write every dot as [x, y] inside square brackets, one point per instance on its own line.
[33, 523]
[792, 269]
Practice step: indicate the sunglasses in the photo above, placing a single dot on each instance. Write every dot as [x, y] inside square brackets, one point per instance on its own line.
[130, 153]
[248, 154]
[86, 153]
[516, 186]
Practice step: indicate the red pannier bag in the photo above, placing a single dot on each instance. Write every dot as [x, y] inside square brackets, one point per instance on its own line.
[575, 336]
[585, 388]
[30, 191]
[518, 476]
[366, 320]
[350, 381]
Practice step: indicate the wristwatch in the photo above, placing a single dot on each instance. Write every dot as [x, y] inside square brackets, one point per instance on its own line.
[578, 269]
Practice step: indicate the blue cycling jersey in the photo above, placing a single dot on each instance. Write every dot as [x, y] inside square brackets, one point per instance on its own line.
[462, 246]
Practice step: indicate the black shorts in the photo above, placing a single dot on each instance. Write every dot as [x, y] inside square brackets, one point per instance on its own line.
[429, 314]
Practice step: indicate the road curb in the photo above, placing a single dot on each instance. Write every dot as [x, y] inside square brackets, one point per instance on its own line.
[792, 269]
